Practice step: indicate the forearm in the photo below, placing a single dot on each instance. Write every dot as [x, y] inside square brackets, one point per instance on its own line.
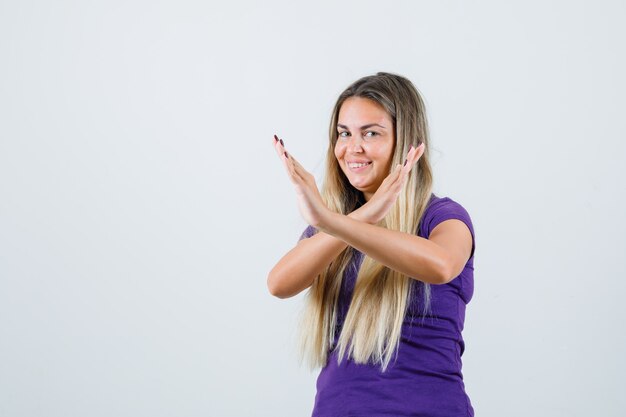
[407, 253]
[297, 270]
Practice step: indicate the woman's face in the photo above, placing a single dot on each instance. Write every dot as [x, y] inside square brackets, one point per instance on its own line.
[365, 134]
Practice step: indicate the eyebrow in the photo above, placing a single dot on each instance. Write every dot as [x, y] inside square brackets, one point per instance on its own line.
[362, 127]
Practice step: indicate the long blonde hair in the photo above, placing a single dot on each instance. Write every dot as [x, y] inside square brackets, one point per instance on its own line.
[372, 326]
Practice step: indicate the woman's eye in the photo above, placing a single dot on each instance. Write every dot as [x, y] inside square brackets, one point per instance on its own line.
[367, 134]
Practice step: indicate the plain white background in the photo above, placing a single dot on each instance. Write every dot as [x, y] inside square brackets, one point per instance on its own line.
[142, 204]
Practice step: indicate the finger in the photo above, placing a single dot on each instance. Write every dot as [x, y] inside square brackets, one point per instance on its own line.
[396, 175]
[405, 171]
[291, 163]
[415, 154]
[299, 168]
[278, 146]
[289, 167]
[301, 171]
[400, 177]
[408, 161]
[419, 151]
[295, 165]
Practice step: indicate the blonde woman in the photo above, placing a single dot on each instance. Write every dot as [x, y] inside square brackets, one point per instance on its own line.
[388, 265]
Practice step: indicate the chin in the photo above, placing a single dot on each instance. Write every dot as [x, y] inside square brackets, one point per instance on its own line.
[360, 187]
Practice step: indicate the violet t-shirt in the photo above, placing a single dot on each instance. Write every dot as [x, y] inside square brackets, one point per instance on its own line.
[425, 378]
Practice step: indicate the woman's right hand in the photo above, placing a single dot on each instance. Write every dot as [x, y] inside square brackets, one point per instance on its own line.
[384, 198]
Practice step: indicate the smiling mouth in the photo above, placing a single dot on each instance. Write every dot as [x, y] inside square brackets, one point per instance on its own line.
[358, 167]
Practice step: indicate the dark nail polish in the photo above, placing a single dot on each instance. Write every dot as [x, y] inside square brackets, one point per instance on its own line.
[287, 156]
[405, 162]
[282, 143]
[275, 138]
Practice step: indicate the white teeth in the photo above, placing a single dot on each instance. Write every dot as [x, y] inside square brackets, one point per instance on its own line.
[358, 165]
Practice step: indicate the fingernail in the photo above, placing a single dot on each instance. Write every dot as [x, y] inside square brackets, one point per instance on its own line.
[282, 143]
[286, 156]
[404, 162]
[275, 138]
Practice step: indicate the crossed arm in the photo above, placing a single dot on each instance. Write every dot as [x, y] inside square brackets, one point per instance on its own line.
[436, 260]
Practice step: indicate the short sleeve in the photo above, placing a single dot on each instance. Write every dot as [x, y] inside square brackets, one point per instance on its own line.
[446, 209]
[308, 232]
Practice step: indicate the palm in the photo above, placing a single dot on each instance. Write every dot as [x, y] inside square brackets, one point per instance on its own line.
[310, 202]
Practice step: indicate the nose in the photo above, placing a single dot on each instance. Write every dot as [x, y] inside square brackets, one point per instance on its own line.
[355, 144]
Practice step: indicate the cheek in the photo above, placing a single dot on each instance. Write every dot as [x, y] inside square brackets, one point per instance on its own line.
[386, 153]
[339, 150]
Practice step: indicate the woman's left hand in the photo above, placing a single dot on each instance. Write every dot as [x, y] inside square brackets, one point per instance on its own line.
[310, 201]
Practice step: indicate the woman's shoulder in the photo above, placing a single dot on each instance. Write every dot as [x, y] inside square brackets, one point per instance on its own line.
[439, 203]
[440, 209]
